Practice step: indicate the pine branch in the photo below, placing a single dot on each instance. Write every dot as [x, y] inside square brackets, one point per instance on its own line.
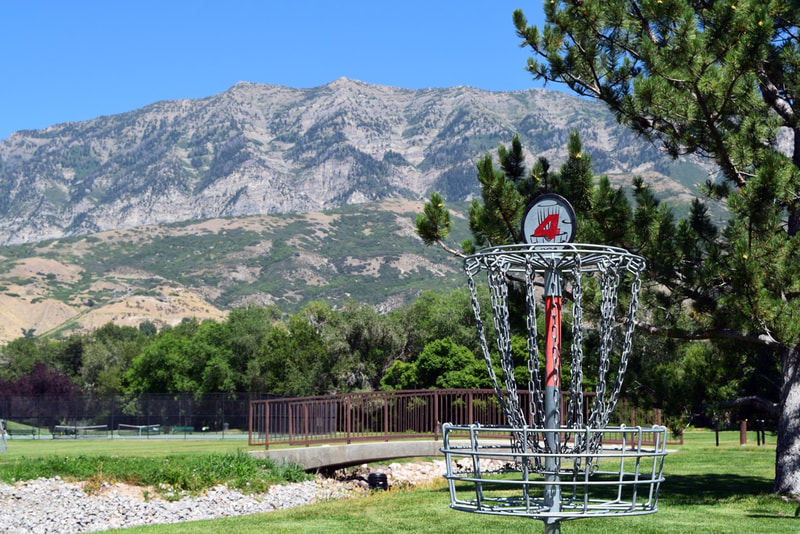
[450, 250]
[771, 407]
[637, 13]
[772, 96]
[765, 340]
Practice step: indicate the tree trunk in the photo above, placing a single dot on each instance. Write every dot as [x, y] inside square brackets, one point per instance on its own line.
[787, 454]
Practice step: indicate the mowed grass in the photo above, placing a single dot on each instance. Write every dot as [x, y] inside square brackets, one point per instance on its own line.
[708, 489]
[146, 448]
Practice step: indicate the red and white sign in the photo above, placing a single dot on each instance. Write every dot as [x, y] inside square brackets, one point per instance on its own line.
[549, 219]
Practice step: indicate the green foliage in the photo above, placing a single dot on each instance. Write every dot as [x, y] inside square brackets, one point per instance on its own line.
[171, 476]
[318, 350]
[507, 191]
[434, 224]
[441, 364]
[436, 316]
[692, 76]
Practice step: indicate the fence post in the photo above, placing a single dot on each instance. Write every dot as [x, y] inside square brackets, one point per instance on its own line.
[743, 432]
[305, 422]
[289, 409]
[386, 418]
[347, 417]
[266, 425]
[436, 415]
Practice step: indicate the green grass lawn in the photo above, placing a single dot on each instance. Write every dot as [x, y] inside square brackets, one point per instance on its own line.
[708, 489]
[148, 448]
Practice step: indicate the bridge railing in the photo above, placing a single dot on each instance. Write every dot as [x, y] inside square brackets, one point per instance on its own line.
[391, 415]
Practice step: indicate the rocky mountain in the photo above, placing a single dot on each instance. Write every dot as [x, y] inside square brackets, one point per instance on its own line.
[264, 149]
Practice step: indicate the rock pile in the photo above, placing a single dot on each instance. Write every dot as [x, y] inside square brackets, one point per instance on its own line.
[54, 506]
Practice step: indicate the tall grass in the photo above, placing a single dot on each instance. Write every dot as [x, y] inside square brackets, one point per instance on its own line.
[171, 476]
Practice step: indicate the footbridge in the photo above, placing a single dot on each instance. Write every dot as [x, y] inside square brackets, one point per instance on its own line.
[336, 456]
[349, 429]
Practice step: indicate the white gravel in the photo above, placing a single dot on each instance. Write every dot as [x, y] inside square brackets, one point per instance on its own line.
[53, 506]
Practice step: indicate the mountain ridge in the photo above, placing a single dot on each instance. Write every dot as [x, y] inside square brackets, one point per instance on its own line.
[268, 149]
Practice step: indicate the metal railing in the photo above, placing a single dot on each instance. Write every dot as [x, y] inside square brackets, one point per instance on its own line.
[393, 415]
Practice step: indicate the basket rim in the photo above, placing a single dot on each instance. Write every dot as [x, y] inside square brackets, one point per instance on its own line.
[559, 257]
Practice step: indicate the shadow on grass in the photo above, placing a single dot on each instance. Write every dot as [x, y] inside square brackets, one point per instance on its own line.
[683, 490]
[711, 488]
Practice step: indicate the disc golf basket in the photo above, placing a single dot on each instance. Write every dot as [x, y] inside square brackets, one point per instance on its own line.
[556, 459]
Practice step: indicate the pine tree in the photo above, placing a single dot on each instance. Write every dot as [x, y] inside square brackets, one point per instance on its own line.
[719, 80]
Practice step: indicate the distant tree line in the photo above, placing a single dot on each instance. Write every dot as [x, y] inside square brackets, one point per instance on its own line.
[432, 343]
[319, 350]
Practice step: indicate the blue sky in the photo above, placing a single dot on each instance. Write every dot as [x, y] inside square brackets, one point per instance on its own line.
[76, 60]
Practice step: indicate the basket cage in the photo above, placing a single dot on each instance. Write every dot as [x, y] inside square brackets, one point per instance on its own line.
[540, 460]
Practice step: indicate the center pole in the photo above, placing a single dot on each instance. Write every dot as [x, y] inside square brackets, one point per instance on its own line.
[552, 396]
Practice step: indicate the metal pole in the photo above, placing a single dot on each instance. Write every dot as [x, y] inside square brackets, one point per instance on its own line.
[552, 395]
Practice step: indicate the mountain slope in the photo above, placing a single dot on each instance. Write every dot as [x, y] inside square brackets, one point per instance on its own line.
[261, 149]
[201, 269]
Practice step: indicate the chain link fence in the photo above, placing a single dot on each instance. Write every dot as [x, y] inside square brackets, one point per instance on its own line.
[152, 416]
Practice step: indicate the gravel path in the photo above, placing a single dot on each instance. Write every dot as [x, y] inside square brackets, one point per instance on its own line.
[53, 506]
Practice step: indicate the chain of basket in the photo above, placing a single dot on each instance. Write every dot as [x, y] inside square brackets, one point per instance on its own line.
[609, 282]
[575, 409]
[502, 324]
[476, 308]
[534, 380]
[601, 409]
[509, 402]
[536, 404]
[626, 347]
[599, 419]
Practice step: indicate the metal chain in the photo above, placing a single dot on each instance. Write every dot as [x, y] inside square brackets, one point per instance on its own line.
[576, 378]
[609, 283]
[575, 413]
[610, 269]
[502, 324]
[534, 380]
[476, 308]
[626, 347]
